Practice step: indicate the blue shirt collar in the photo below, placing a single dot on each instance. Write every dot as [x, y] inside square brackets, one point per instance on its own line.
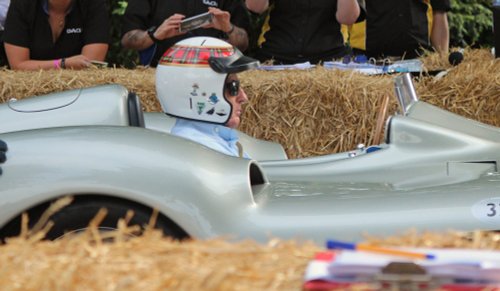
[216, 137]
[224, 132]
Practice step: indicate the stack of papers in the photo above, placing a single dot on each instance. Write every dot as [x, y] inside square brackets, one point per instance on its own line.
[298, 66]
[404, 66]
[450, 269]
[366, 68]
[411, 66]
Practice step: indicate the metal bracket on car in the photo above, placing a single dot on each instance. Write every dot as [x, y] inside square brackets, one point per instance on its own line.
[405, 91]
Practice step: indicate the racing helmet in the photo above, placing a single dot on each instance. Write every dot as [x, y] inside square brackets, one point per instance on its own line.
[190, 78]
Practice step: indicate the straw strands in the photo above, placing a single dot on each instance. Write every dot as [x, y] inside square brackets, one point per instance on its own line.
[120, 260]
[312, 112]
[152, 262]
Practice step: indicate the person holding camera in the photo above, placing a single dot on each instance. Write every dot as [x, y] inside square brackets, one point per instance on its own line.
[152, 26]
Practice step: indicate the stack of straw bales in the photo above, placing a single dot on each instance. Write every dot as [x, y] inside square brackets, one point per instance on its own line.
[311, 112]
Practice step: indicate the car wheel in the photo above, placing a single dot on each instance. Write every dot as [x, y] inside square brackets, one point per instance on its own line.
[75, 218]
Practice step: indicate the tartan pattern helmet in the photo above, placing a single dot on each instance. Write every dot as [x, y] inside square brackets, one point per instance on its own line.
[190, 78]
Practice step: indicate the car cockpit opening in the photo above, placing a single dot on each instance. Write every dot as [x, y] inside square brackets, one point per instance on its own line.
[257, 177]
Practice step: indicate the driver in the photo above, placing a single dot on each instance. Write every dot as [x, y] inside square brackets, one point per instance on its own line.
[196, 82]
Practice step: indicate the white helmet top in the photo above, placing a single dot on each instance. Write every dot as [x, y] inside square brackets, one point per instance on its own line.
[190, 78]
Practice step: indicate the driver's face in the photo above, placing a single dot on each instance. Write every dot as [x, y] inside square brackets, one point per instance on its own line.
[232, 87]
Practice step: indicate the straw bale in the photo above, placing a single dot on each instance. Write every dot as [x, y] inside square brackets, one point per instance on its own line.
[311, 112]
[324, 111]
[22, 84]
[152, 262]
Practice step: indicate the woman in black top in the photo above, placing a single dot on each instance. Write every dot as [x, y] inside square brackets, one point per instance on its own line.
[46, 34]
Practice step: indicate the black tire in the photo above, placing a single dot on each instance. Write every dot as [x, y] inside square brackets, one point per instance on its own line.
[77, 216]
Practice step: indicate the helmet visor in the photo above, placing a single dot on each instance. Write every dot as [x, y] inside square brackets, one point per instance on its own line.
[235, 63]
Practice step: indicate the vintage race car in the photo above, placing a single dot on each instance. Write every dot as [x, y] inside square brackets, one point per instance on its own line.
[434, 171]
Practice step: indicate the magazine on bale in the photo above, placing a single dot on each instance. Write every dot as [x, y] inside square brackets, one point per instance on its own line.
[457, 268]
[403, 66]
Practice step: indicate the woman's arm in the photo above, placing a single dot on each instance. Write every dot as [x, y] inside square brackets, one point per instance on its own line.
[95, 51]
[347, 11]
[257, 6]
[19, 58]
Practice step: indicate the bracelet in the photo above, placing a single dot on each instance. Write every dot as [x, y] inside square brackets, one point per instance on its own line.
[63, 63]
[57, 64]
[231, 30]
[151, 32]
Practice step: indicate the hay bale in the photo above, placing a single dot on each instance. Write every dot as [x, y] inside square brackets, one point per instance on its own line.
[152, 262]
[22, 84]
[313, 112]
[481, 240]
[321, 111]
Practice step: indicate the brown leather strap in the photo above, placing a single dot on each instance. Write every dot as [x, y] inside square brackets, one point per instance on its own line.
[381, 117]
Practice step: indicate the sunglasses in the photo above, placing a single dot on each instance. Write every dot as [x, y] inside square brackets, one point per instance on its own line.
[233, 87]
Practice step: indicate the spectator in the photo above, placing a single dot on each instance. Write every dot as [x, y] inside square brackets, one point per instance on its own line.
[47, 34]
[304, 30]
[152, 26]
[196, 81]
[4, 6]
[402, 28]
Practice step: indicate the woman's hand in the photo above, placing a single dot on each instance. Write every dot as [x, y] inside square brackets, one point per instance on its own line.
[77, 62]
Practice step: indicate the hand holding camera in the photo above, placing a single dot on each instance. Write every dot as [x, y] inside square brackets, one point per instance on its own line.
[195, 22]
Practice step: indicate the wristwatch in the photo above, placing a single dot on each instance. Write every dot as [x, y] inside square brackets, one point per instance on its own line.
[151, 33]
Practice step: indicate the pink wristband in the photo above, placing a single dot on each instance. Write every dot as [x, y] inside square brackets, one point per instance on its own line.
[57, 64]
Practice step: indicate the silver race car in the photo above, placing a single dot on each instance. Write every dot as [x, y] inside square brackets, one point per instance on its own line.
[434, 171]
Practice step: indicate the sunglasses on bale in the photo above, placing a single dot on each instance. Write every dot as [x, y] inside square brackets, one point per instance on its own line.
[233, 87]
